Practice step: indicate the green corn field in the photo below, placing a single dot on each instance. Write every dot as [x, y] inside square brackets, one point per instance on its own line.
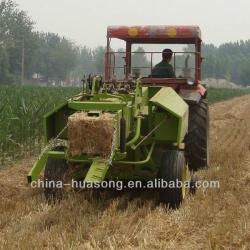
[218, 95]
[22, 109]
[21, 112]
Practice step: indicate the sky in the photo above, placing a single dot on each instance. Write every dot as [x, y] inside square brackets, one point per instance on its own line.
[85, 21]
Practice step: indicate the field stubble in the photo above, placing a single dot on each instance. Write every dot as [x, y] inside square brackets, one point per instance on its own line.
[212, 219]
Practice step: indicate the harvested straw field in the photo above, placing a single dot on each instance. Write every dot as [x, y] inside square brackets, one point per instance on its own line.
[211, 219]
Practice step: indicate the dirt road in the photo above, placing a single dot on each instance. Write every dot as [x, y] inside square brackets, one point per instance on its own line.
[212, 219]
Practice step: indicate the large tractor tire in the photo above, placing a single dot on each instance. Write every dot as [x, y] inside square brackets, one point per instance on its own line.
[197, 138]
[55, 176]
[173, 169]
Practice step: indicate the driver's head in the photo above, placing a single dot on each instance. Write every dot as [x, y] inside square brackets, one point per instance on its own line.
[167, 54]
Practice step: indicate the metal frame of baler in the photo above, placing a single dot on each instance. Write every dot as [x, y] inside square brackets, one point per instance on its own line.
[75, 104]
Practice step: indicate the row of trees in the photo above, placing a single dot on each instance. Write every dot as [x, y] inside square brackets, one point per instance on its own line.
[25, 53]
[15, 32]
[230, 61]
[29, 55]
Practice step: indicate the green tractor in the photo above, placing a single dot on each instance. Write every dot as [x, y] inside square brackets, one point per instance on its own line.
[135, 124]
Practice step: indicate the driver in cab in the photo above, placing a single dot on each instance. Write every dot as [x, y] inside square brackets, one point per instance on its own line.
[164, 69]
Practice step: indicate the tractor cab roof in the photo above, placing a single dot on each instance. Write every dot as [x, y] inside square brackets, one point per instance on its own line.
[156, 34]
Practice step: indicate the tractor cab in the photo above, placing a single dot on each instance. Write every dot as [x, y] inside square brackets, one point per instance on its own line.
[185, 42]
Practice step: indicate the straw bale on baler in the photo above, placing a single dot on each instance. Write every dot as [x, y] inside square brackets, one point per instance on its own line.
[91, 135]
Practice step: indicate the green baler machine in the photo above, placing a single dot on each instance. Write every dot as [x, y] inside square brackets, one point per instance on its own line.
[160, 125]
[146, 120]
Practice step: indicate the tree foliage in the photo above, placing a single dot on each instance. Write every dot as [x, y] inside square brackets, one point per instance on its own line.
[16, 34]
[54, 57]
[230, 61]
[48, 54]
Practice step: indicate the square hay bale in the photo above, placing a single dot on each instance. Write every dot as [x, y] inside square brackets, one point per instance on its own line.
[91, 135]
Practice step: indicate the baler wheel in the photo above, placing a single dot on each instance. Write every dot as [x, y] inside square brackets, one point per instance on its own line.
[173, 169]
[197, 139]
[55, 175]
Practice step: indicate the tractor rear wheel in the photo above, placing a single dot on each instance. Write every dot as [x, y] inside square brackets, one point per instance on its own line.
[173, 172]
[197, 138]
[55, 175]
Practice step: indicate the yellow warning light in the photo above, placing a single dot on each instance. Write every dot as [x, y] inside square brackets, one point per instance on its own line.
[133, 32]
[171, 32]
